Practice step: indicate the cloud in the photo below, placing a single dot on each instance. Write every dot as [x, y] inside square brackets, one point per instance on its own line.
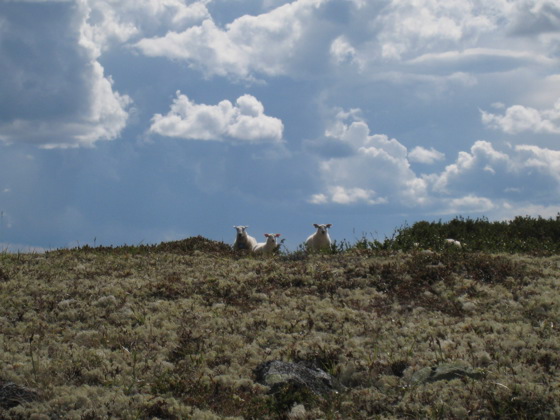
[519, 118]
[464, 175]
[410, 29]
[479, 60]
[111, 22]
[542, 160]
[341, 195]
[341, 51]
[535, 17]
[524, 172]
[55, 92]
[509, 212]
[470, 204]
[375, 171]
[24, 249]
[426, 38]
[352, 38]
[243, 121]
[482, 180]
[264, 44]
[422, 155]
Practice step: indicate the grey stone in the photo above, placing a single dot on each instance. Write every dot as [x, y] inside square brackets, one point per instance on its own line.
[277, 374]
[12, 394]
[445, 372]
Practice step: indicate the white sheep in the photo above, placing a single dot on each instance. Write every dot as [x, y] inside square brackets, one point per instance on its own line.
[453, 242]
[243, 241]
[269, 246]
[320, 240]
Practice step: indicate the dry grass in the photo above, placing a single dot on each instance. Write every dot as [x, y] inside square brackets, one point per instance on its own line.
[175, 331]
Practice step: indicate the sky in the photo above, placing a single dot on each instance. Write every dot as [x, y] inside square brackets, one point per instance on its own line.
[142, 121]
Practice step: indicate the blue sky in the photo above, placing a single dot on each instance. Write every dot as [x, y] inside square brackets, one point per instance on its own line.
[141, 121]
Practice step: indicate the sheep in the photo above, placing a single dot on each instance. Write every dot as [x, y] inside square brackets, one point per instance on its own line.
[452, 242]
[269, 246]
[320, 240]
[243, 241]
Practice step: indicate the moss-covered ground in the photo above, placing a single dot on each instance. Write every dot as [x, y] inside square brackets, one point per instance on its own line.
[175, 331]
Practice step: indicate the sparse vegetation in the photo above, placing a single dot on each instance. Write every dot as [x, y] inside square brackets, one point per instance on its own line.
[176, 330]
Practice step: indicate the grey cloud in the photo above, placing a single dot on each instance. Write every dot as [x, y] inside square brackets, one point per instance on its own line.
[534, 18]
[478, 60]
[328, 147]
[42, 63]
[54, 91]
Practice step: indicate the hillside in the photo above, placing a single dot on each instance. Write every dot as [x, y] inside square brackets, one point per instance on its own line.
[176, 331]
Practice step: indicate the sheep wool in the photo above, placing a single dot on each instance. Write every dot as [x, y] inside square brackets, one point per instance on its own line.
[243, 241]
[268, 247]
[320, 240]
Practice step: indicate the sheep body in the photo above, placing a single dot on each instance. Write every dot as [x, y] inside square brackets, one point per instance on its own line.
[243, 241]
[269, 246]
[320, 240]
[453, 242]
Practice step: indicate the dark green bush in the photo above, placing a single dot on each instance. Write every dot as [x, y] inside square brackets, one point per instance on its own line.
[521, 235]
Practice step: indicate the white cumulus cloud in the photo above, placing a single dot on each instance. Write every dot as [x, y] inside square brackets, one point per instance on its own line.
[519, 118]
[524, 171]
[244, 121]
[427, 25]
[109, 21]
[377, 171]
[349, 37]
[422, 155]
[263, 44]
[482, 180]
[342, 195]
[342, 51]
[469, 204]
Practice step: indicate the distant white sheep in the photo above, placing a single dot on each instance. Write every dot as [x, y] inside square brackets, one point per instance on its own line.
[269, 246]
[453, 242]
[243, 241]
[320, 240]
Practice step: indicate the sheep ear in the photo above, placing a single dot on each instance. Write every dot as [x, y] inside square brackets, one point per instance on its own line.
[266, 235]
[316, 225]
[277, 235]
[329, 225]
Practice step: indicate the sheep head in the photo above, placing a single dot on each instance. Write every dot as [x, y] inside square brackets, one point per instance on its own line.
[271, 237]
[241, 231]
[323, 229]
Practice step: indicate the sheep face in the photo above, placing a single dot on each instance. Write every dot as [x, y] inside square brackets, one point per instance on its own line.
[322, 229]
[243, 241]
[241, 231]
[269, 246]
[271, 238]
[320, 239]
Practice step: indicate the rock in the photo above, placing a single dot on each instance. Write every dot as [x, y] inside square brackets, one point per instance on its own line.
[276, 374]
[297, 412]
[295, 385]
[12, 395]
[445, 372]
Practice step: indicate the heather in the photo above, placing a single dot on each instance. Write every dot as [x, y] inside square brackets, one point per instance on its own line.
[176, 330]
